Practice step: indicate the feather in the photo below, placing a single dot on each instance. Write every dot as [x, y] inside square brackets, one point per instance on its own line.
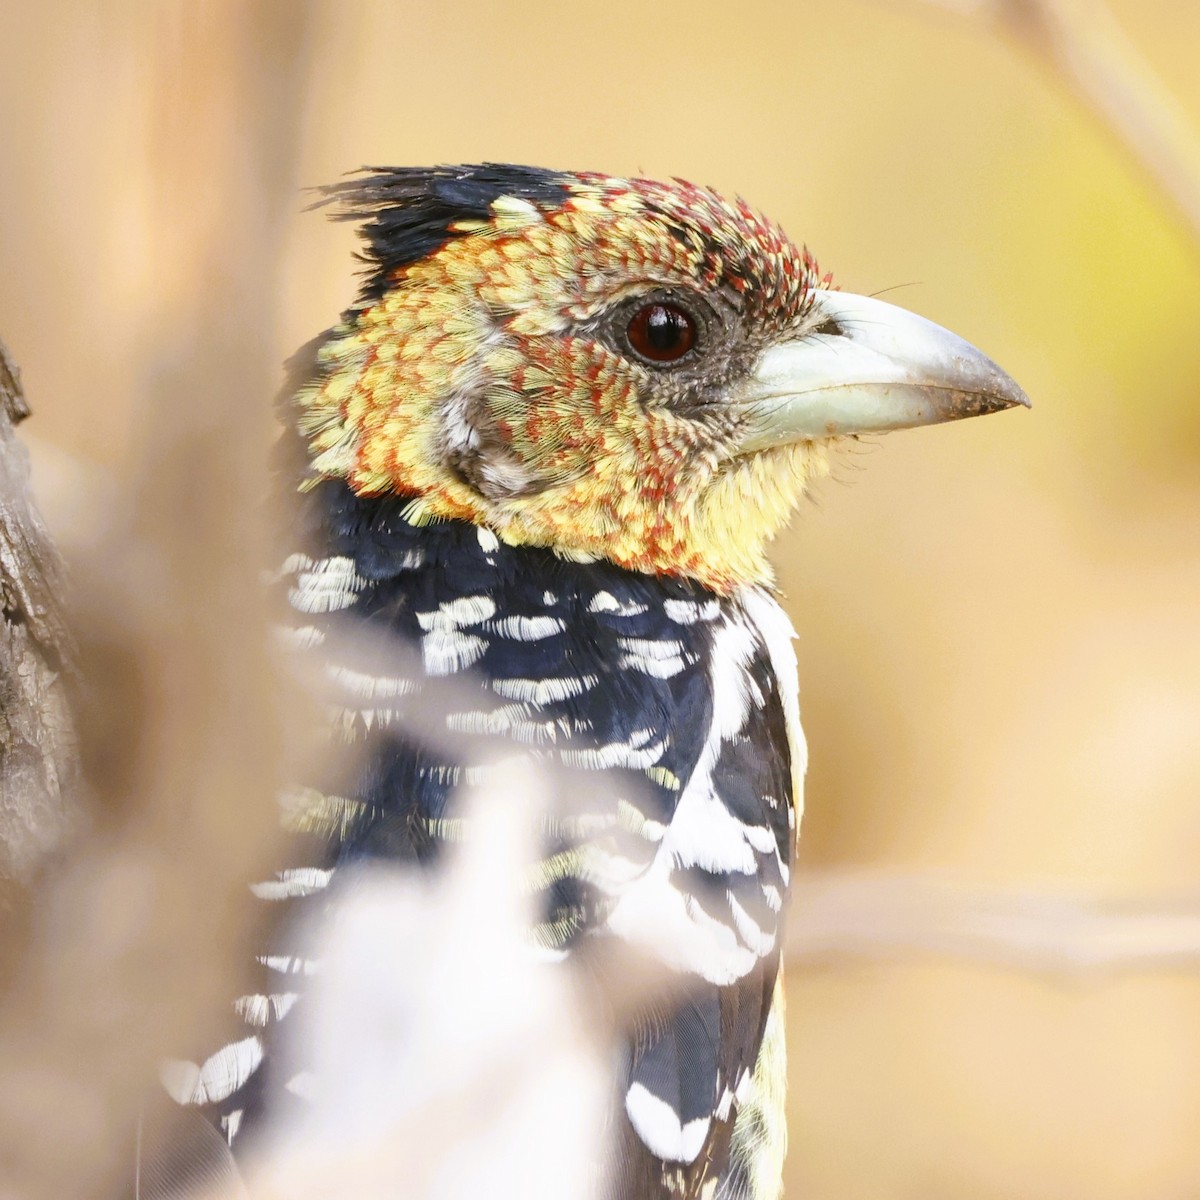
[182, 1155]
[406, 213]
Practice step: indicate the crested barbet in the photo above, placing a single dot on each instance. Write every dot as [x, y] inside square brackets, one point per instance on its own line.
[547, 448]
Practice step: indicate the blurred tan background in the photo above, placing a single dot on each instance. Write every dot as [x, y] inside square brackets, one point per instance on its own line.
[1000, 621]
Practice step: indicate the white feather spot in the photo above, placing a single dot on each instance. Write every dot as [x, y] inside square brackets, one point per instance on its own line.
[762, 942]
[528, 629]
[258, 1009]
[298, 881]
[453, 614]
[689, 612]
[704, 833]
[650, 647]
[510, 719]
[733, 649]
[218, 1078]
[614, 754]
[447, 651]
[488, 541]
[659, 1127]
[650, 656]
[654, 916]
[254, 1010]
[298, 637]
[327, 585]
[289, 964]
[544, 691]
[606, 602]
[630, 817]
[760, 837]
[293, 564]
[778, 635]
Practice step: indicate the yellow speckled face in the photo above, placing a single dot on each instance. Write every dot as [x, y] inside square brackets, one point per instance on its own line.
[554, 361]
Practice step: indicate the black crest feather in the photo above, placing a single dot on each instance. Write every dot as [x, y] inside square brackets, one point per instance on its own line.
[408, 212]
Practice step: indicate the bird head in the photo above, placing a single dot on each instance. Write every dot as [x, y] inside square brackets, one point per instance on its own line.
[622, 369]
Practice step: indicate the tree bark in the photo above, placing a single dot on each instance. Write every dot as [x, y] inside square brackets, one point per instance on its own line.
[39, 766]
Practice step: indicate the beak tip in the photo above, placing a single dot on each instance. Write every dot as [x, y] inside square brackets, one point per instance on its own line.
[1020, 400]
[999, 391]
[1014, 397]
[953, 405]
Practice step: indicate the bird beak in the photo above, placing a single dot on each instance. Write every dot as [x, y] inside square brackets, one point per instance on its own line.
[867, 367]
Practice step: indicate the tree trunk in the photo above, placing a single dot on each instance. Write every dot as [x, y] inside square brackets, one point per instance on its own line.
[38, 748]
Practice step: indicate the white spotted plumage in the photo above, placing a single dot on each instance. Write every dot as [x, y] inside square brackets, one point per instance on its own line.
[635, 855]
[323, 585]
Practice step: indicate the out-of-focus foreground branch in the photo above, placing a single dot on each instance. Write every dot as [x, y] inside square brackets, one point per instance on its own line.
[1087, 50]
[137, 934]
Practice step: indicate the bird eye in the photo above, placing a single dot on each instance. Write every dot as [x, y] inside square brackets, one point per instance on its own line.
[661, 332]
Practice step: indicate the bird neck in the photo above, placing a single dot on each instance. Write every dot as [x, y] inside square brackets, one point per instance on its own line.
[378, 550]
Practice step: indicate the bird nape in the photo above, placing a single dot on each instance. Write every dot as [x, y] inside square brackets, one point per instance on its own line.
[546, 448]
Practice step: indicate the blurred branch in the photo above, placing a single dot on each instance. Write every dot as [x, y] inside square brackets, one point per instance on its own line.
[139, 938]
[877, 916]
[1085, 47]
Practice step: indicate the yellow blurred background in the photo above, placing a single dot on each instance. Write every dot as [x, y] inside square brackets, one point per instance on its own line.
[999, 620]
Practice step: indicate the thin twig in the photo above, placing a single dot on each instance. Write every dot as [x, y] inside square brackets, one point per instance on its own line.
[1085, 47]
[879, 916]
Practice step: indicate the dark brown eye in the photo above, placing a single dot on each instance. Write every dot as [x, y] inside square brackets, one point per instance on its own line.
[661, 332]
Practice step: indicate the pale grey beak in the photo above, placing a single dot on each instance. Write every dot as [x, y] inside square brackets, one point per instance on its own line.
[875, 367]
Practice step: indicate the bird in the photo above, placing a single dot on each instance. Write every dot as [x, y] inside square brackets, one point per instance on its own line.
[546, 448]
